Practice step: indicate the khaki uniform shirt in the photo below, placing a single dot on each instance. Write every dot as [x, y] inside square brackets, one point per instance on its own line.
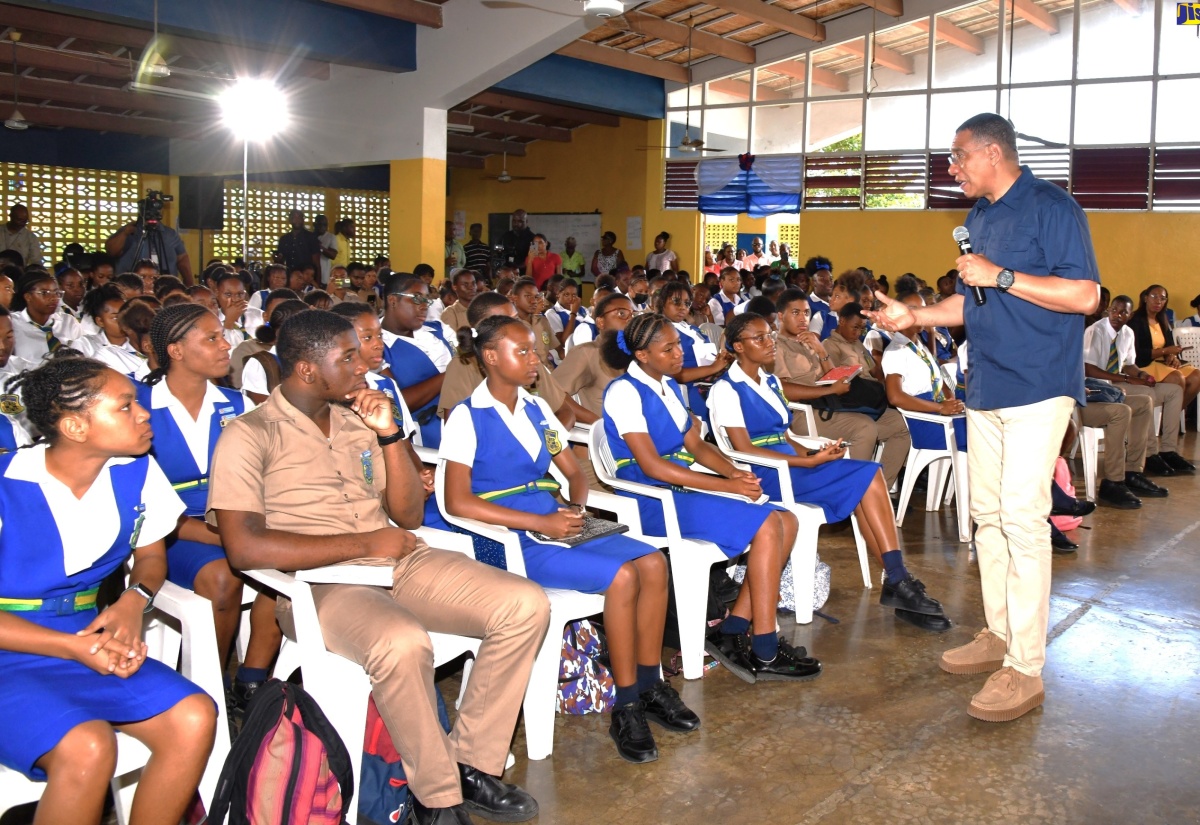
[462, 379]
[797, 363]
[584, 372]
[843, 353]
[455, 316]
[544, 340]
[276, 462]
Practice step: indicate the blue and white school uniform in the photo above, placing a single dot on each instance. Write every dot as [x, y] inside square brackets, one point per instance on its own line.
[558, 317]
[247, 325]
[15, 429]
[416, 359]
[254, 377]
[698, 351]
[259, 300]
[509, 454]
[722, 307]
[823, 320]
[636, 403]
[1190, 321]
[921, 377]
[183, 448]
[57, 549]
[759, 407]
[585, 331]
[32, 341]
[121, 357]
[944, 349]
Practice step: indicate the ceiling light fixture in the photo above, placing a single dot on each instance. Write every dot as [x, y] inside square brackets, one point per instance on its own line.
[16, 121]
[603, 8]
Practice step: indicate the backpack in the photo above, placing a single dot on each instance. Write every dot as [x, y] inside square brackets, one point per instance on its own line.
[585, 680]
[714, 614]
[287, 767]
[383, 795]
[866, 396]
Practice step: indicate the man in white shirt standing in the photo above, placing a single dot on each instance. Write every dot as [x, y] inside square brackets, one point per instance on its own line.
[329, 246]
[17, 236]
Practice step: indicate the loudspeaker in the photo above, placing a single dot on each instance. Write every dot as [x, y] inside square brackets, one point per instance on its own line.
[201, 203]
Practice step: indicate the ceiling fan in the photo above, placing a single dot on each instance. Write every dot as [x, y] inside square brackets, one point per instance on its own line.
[504, 177]
[688, 143]
[16, 120]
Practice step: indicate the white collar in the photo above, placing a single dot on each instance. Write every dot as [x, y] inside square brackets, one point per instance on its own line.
[661, 387]
[761, 387]
[30, 465]
[482, 398]
[162, 397]
[690, 331]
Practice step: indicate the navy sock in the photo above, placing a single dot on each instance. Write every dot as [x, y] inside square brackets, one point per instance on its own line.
[626, 695]
[893, 565]
[765, 645]
[735, 625]
[647, 677]
[252, 674]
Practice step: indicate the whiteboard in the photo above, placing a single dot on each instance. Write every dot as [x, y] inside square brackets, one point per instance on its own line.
[586, 228]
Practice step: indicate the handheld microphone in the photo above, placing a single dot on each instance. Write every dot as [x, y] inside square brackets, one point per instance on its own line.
[963, 238]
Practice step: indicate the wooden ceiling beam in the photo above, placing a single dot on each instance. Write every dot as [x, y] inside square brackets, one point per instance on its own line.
[513, 103]
[821, 77]
[952, 34]
[892, 8]
[467, 143]
[652, 26]
[456, 161]
[774, 16]
[514, 128]
[94, 122]
[582, 50]
[52, 61]
[1132, 7]
[741, 89]
[413, 11]
[82, 94]
[1036, 15]
[880, 55]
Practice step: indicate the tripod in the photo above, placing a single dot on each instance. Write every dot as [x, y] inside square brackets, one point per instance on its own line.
[151, 243]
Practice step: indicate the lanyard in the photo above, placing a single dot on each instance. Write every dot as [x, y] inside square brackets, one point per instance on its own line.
[935, 380]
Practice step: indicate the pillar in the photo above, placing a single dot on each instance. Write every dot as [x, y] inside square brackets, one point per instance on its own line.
[417, 210]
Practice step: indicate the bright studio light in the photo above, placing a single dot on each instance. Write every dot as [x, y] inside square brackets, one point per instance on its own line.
[254, 109]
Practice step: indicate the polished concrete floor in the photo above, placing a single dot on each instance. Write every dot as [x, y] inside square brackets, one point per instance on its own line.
[883, 734]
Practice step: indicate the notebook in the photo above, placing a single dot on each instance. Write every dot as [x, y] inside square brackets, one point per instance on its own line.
[593, 528]
[839, 374]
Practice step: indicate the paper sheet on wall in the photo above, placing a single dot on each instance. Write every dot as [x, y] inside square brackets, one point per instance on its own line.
[633, 233]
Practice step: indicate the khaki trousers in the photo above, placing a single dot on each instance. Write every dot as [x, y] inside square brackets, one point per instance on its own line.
[388, 634]
[1011, 462]
[1170, 398]
[1128, 430]
[864, 433]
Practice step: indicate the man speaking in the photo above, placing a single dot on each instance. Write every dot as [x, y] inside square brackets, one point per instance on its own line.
[1033, 263]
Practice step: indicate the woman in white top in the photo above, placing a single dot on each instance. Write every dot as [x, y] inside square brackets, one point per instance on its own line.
[662, 258]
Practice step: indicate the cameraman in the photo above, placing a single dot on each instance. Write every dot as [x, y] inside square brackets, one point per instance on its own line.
[150, 238]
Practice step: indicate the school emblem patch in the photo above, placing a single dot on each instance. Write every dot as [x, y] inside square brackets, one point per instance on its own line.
[553, 444]
[10, 404]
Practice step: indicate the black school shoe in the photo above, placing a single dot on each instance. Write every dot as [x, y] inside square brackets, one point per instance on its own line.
[629, 730]
[790, 664]
[909, 594]
[1156, 465]
[923, 621]
[662, 704]
[1116, 494]
[421, 815]
[1177, 462]
[1139, 485]
[733, 651]
[1081, 508]
[486, 796]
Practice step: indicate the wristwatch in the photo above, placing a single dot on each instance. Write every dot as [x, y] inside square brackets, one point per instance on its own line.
[385, 440]
[145, 593]
[1004, 280]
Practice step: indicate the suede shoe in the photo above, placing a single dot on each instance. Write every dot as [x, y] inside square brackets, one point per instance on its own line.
[733, 651]
[934, 624]
[1139, 485]
[1177, 462]
[1157, 465]
[455, 815]
[486, 796]
[629, 730]
[1007, 694]
[1116, 494]
[786, 666]
[909, 594]
[983, 653]
[663, 705]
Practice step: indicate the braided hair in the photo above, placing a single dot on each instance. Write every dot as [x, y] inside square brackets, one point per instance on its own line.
[618, 348]
[478, 310]
[170, 325]
[64, 383]
[490, 330]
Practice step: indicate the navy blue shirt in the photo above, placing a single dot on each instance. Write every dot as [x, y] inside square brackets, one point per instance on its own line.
[1022, 353]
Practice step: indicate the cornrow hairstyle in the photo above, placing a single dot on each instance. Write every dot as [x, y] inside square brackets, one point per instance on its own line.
[28, 282]
[64, 383]
[167, 327]
[130, 281]
[640, 333]
[737, 325]
[306, 336]
[94, 301]
[268, 333]
[490, 330]
[478, 311]
[789, 296]
[669, 290]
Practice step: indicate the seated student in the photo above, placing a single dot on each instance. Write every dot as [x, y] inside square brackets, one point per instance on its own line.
[465, 373]
[238, 319]
[1128, 431]
[39, 326]
[1155, 347]
[639, 293]
[318, 299]
[583, 372]
[585, 329]
[845, 346]
[131, 285]
[464, 287]
[188, 413]
[701, 360]
[1066, 511]
[110, 344]
[727, 297]
[700, 312]
[260, 372]
[72, 509]
[1192, 320]
[1109, 355]
[274, 277]
[134, 319]
[263, 339]
[566, 314]
[324, 435]
[915, 383]
[502, 436]
[530, 306]
[15, 429]
[417, 354]
[167, 285]
[801, 361]
[653, 441]
[846, 289]
[749, 403]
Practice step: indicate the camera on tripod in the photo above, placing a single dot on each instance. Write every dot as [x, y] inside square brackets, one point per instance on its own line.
[152, 206]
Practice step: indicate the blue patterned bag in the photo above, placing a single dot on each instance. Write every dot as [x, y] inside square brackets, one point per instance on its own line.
[585, 682]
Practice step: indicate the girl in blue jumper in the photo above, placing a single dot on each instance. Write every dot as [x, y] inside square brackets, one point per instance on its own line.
[701, 360]
[654, 440]
[417, 353]
[187, 413]
[749, 403]
[498, 447]
[71, 509]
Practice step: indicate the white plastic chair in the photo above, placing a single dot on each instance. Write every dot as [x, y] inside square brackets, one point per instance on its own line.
[810, 427]
[955, 461]
[691, 559]
[338, 685]
[566, 606]
[181, 623]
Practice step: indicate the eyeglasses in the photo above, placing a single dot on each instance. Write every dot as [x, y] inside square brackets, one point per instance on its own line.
[417, 298]
[620, 313]
[959, 155]
[48, 293]
[679, 302]
[758, 339]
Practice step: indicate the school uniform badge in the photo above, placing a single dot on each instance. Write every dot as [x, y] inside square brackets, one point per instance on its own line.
[227, 414]
[10, 404]
[553, 444]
